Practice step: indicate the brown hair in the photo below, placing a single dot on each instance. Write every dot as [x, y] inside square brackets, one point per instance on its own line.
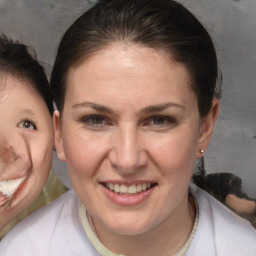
[165, 25]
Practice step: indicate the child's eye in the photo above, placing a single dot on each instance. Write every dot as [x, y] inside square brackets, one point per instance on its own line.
[26, 124]
[95, 120]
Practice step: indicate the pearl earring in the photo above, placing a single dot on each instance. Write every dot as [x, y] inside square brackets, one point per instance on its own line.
[201, 151]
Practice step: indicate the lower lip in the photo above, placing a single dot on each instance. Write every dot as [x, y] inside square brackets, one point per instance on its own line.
[3, 197]
[125, 200]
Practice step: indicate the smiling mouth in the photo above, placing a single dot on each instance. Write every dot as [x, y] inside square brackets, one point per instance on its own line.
[129, 190]
[9, 187]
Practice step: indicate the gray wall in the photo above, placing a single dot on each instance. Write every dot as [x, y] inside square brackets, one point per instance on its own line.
[232, 24]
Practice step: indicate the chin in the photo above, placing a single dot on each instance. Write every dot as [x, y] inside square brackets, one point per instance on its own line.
[129, 227]
[130, 230]
[25, 195]
[18, 203]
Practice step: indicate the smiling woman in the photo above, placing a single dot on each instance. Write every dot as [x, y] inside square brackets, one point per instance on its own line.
[139, 140]
[136, 86]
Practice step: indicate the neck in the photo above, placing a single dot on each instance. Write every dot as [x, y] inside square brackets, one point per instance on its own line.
[165, 239]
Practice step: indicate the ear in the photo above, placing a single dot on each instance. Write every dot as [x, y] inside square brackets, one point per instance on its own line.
[58, 136]
[207, 125]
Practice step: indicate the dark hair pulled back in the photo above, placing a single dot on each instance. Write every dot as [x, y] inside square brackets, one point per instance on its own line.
[17, 61]
[165, 25]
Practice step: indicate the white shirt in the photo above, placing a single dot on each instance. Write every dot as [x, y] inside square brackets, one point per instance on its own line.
[56, 230]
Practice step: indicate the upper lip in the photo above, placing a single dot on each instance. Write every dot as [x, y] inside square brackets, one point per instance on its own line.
[128, 183]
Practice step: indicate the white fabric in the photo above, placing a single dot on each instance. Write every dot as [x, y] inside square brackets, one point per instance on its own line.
[220, 231]
[54, 230]
[57, 230]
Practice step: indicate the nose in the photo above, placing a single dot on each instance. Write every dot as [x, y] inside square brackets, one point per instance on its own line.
[127, 154]
[15, 156]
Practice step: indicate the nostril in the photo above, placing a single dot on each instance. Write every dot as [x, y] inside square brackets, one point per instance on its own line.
[128, 163]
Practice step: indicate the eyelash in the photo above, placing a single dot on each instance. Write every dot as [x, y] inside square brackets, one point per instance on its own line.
[99, 121]
[90, 120]
[166, 119]
[24, 123]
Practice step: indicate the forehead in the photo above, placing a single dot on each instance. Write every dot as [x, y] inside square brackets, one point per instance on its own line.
[129, 73]
[11, 84]
[18, 94]
[127, 55]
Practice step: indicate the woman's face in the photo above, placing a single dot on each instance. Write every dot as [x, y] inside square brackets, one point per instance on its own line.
[130, 132]
[26, 142]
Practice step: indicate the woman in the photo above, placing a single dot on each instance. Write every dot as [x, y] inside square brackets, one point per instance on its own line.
[135, 83]
[26, 133]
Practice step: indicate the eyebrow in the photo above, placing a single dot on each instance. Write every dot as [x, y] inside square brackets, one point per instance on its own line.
[94, 106]
[161, 107]
[152, 108]
[28, 111]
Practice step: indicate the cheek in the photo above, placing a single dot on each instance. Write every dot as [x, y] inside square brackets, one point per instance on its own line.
[41, 154]
[170, 151]
[41, 157]
[83, 152]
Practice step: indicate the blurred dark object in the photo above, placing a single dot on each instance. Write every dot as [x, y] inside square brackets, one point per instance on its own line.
[227, 188]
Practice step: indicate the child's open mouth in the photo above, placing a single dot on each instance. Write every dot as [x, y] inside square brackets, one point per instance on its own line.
[9, 187]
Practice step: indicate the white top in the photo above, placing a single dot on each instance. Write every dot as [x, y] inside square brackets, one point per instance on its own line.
[57, 230]
[102, 250]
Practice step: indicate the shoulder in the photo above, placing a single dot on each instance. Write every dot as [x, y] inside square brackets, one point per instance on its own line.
[35, 234]
[226, 230]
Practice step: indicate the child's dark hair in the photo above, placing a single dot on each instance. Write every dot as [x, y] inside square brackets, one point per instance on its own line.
[17, 61]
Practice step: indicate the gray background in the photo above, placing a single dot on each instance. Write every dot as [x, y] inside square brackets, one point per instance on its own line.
[232, 24]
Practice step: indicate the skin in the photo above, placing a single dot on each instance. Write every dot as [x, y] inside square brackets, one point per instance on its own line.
[240, 205]
[147, 129]
[26, 142]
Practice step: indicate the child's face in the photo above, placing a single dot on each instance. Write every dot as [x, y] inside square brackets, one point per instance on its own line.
[26, 142]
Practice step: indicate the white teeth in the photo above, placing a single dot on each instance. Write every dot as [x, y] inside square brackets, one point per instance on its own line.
[139, 188]
[8, 187]
[124, 189]
[116, 188]
[132, 189]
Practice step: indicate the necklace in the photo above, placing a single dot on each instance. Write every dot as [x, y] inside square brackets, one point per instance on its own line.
[104, 251]
[184, 249]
